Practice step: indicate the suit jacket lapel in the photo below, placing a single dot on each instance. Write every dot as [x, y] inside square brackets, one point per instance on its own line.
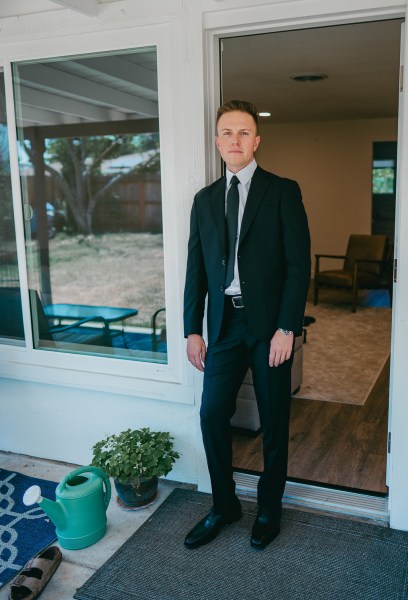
[257, 190]
[217, 201]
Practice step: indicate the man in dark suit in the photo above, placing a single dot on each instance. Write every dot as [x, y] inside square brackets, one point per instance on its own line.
[249, 255]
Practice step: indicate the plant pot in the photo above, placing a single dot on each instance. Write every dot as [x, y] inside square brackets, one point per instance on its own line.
[137, 494]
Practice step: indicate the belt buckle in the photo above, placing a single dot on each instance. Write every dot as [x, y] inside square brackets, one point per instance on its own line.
[238, 301]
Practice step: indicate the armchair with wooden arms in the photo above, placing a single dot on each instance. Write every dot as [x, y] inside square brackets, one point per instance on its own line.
[366, 266]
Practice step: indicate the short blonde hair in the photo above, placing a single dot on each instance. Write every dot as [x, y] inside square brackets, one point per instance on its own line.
[240, 105]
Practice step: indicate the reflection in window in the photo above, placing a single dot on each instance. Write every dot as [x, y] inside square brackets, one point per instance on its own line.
[11, 316]
[384, 176]
[89, 152]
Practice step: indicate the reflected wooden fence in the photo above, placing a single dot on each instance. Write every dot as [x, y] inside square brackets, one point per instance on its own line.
[133, 204]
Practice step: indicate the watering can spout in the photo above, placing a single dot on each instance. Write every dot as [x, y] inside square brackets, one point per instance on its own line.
[55, 511]
[52, 509]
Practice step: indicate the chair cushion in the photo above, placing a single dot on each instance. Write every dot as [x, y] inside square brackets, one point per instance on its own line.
[339, 278]
[336, 277]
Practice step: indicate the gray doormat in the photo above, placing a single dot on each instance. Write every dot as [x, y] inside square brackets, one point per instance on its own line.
[314, 558]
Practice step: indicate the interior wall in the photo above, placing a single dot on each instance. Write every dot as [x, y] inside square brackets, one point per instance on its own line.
[332, 163]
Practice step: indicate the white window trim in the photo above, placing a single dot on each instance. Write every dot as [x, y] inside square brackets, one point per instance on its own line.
[101, 373]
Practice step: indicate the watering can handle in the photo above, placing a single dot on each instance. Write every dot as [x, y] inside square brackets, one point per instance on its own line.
[89, 469]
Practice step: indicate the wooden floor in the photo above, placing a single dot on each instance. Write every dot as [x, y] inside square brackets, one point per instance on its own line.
[343, 445]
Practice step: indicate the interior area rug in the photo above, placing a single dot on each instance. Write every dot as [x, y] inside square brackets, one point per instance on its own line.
[24, 531]
[344, 352]
[314, 558]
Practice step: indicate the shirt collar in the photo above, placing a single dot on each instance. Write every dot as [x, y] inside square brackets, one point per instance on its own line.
[244, 175]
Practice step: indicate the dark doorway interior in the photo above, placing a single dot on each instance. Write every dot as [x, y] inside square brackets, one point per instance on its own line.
[384, 188]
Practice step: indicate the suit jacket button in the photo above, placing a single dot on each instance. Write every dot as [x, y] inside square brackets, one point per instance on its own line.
[223, 262]
[222, 288]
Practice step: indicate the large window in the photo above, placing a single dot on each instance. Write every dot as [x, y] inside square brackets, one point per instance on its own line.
[11, 316]
[89, 155]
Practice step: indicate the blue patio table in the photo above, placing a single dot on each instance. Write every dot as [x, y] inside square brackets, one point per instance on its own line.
[109, 314]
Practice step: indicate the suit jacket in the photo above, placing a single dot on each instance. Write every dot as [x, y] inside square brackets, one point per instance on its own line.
[273, 257]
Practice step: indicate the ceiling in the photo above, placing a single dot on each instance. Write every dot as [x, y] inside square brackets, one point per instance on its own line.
[361, 62]
[93, 89]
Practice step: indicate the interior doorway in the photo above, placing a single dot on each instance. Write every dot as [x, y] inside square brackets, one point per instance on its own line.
[330, 95]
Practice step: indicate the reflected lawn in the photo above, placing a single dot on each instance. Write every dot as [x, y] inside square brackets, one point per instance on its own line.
[112, 269]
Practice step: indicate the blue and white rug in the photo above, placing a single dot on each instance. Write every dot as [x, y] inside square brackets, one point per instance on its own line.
[24, 531]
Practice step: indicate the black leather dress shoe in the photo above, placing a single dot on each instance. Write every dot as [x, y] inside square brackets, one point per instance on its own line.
[266, 528]
[209, 527]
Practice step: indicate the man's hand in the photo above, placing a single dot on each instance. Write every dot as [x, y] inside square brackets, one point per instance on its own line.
[196, 351]
[281, 348]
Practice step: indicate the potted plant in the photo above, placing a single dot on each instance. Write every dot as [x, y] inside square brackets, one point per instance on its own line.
[135, 458]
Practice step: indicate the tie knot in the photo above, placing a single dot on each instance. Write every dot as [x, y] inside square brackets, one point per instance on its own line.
[234, 180]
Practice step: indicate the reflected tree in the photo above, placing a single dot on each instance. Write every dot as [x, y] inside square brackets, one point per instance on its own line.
[76, 164]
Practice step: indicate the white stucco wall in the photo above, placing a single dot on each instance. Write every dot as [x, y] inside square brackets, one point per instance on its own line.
[62, 423]
[42, 413]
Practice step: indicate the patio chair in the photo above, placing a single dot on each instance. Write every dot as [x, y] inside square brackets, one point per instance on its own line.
[11, 324]
[158, 341]
[11, 320]
[366, 266]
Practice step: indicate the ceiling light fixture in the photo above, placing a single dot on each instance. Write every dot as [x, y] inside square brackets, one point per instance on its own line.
[305, 77]
[264, 114]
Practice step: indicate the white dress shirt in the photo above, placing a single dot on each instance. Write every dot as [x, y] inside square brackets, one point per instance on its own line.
[245, 177]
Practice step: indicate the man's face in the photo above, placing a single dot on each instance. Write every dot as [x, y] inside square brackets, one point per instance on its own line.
[236, 139]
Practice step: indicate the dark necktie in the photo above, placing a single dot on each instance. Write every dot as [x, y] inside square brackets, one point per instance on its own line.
[232, 227]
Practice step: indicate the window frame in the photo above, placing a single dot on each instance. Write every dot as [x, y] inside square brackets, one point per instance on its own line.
[117, 375]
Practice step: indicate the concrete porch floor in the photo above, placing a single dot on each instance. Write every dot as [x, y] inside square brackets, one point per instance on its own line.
[78, 565]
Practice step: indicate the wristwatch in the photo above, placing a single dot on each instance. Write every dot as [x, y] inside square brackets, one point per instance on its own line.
[285, 331]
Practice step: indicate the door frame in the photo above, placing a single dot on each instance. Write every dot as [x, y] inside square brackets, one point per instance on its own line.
[292, 16]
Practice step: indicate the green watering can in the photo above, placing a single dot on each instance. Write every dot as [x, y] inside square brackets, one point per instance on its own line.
[79, 512]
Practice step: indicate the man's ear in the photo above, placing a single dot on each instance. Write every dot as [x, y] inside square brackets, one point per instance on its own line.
[257, 142]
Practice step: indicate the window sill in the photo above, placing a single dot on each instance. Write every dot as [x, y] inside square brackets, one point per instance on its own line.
[165, 382]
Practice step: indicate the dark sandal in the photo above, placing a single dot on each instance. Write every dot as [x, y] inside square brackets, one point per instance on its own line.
[35, 574]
